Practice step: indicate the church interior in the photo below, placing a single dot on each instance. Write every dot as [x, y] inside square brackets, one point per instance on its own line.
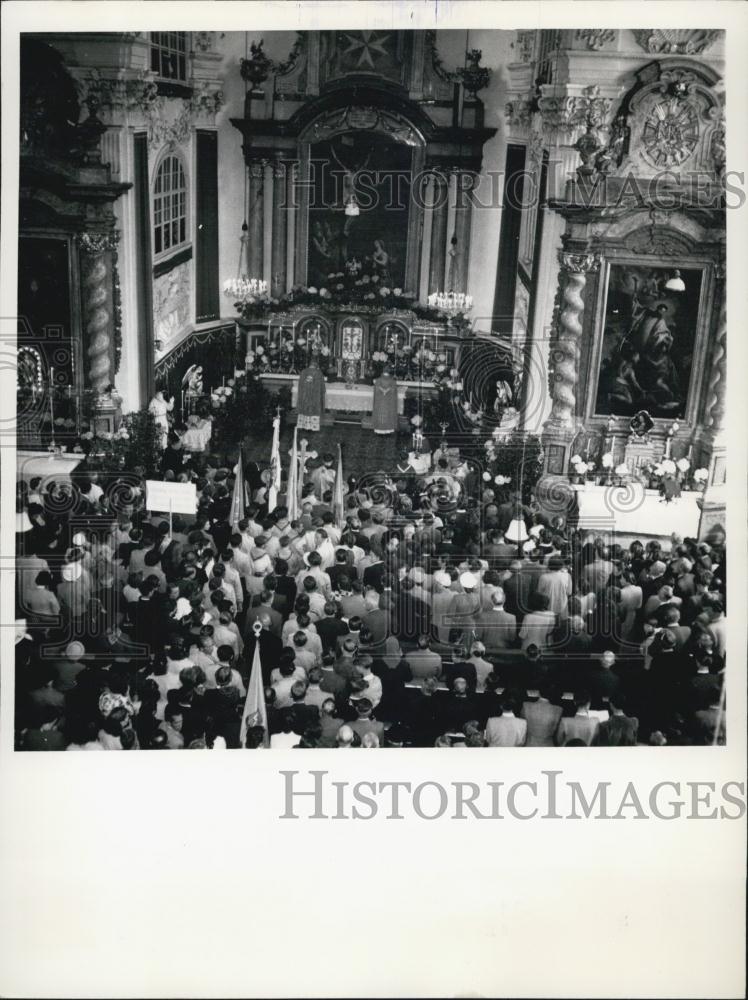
[344, 261]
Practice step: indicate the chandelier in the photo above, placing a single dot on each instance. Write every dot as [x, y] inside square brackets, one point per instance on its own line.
[245, 289]
[451, 302]
[242, 288]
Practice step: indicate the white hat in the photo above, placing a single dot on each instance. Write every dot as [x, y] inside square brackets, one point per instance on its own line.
[468, 581]
[72, 572]
[516, 532]
[442, 578]
[80, 538]
[416, 574]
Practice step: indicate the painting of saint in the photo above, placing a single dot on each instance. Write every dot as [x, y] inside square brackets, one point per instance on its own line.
[359, 207]
[649, 335]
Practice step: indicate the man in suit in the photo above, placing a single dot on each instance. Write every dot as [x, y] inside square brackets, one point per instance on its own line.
[518, 587]
[331, 627]
[542, 718]
[601, 680]
[496, 629]
[412, 615]
[364, 722]
[581, 726]
[506, 730]
[423, 661]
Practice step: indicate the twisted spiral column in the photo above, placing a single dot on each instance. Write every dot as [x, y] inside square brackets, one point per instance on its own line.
[575, 268]
[714, 410]
[97, 280]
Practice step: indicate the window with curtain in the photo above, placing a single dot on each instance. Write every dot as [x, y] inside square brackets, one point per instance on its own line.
[169, 54]
[169, 207]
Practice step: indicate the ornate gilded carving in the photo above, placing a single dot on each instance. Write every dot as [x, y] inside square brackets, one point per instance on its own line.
[121, 94]
[579, 263]
[364, 118]
[564, 114]
[202, 41]
[519, 112]
[670, 133]
[596, 38]
[258, 67]
[675, 41]
[658, 240]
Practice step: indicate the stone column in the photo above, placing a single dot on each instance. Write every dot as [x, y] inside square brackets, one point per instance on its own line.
[101, 322]
[463, 218]
[97, 252]
[438, 232]
[564, 358]
[292, 216]
[280, 222]
[256, 219]
[711, 449]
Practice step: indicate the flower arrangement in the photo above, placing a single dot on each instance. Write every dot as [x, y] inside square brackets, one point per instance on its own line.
[219, 397]
[701, 476]
[622, 469]
[607, 460]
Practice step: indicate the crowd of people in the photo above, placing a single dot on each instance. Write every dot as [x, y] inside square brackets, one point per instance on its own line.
[437, 611]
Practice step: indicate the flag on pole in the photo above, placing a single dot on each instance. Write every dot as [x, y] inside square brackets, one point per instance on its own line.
[275, 466]
[337, 498]
[255, 711]
[239, 496]
[292, 486]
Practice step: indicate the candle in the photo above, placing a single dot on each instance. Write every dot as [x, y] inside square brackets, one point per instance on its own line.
[690, 452]
[613, 449]
[667, 446]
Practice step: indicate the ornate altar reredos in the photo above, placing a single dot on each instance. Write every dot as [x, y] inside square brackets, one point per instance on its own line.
[354, 346]
[640, 312]
[355, 138]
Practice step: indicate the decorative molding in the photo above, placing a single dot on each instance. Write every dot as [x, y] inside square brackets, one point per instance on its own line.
[664, 242]
[525, 45]
[579, 263]
[98, 243]
[519, 112]
[117, 93]
[202, 41]
[596, 38]
[569, 112]
[368, 119]
[675, 41]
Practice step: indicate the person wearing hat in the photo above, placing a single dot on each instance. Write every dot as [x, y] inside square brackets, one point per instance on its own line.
[555, 583]
[465, 608]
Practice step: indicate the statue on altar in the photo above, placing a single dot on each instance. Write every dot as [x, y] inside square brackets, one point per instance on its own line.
[310, 404]
[384, 410]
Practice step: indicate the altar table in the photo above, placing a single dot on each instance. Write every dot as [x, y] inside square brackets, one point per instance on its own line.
[356, 398]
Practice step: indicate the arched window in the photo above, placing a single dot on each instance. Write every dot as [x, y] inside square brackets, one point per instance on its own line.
[169, 206]
[169, 54]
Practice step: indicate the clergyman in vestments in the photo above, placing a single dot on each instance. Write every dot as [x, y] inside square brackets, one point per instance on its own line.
[311, 401]
[384, 411]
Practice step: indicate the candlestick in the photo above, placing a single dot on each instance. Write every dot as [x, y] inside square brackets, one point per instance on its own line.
[667, 446]
[690, 452]
[613, 449]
